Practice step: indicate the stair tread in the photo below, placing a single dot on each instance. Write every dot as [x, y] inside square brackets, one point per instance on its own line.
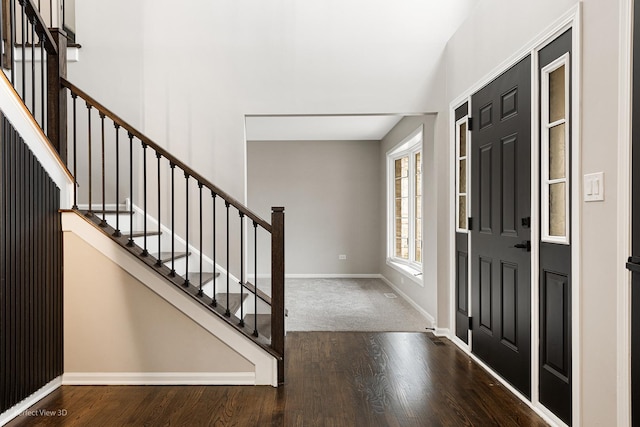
[166, 256]
[207, 276]
[235, 300]
[149, 233]
[110, 211]
[264, 323]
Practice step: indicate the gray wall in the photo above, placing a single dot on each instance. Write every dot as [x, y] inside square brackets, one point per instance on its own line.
[330, 191]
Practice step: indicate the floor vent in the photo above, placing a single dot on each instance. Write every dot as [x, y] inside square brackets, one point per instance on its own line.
[390, 295]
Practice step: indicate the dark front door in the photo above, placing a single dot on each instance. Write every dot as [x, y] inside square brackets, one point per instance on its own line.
[500, 232]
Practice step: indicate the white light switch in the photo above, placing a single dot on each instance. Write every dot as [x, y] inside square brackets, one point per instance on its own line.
[594, 187]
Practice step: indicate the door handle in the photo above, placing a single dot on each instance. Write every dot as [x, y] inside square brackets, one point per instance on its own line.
[524, 245]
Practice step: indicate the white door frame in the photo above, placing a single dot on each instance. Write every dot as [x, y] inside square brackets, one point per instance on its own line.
[623, 278]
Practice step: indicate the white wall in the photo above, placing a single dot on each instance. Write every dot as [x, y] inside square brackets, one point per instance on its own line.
[332, 202]
[424, 294]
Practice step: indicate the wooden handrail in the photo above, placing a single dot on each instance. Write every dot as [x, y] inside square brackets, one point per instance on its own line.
[41, 28]
[172, 159]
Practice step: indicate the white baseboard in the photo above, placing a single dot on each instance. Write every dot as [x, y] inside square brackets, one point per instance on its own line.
[159, 378]
[442, 332]
[330, 276]
[19, 408]
[427, 315]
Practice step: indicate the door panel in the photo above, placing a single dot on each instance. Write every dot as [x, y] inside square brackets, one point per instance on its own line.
[501, 199]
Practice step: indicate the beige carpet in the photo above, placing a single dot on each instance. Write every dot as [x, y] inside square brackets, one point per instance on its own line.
[348, 305]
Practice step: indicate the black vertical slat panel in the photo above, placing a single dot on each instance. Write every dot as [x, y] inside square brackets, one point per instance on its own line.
[3, 266]
[59, 350]
[19, 277]
[30, 282]
[31, 277]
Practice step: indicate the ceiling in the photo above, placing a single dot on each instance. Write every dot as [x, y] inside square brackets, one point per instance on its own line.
[320, 128]
[344, 70]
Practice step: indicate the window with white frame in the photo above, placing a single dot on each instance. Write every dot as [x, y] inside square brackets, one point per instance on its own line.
[462, 179]
[404, 172]
[554, 152]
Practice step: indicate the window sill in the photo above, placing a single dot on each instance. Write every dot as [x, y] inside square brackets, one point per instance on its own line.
[412, 273]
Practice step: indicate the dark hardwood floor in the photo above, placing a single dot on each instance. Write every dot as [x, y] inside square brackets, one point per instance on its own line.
[333, 379]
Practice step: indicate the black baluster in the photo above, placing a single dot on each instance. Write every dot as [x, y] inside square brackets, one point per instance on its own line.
[24, 37]
[33, 66]
[213, 298]
[241, 269]
[159, 263]
[75, 154]
[186, 259]
[12, 30]
[89, 138]
[200, 293]
[173, 223]
[255, 278]
[117, 232]
[42, 84]
[228, 312]
[144, 199]
[103, 223]
[130, 243]
[50, 13]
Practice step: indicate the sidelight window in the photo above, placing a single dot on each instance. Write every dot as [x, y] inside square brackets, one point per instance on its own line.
[405, 201]
[462, 179]
[555, 151]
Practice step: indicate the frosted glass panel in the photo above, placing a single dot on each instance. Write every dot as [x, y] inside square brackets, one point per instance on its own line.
[557, 212]
[462, 178]
[556, 95]
[462, 209]
[463, 139]
[557, 152]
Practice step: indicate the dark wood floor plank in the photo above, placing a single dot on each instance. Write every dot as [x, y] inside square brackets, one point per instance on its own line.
[339, 379]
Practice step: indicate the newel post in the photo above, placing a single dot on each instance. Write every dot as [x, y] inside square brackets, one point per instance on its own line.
[277, 286]
[56, 99]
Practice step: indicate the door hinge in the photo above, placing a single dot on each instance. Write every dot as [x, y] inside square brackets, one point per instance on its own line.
[470, 322]
[470, 223]
[469, 122]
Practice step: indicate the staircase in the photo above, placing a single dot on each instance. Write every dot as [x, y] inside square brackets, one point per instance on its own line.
[188, 231]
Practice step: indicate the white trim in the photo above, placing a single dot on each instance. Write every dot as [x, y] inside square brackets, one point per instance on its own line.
[159, 378]
[22, 406]
[73, 55]
[545, 126]
[407, 270]
[411, 145]
[458, 158]
[265, 364]
[571, 19]
[24, 123]
[576, 218]
[623, 279]
[425, 313]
